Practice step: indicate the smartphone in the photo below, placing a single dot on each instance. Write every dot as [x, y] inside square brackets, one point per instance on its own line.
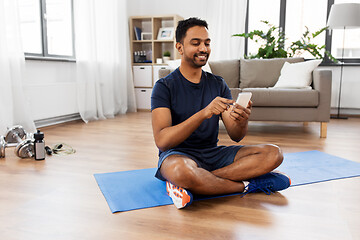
[243, 99]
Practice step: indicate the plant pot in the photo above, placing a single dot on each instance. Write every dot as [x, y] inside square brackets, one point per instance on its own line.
[166, 59]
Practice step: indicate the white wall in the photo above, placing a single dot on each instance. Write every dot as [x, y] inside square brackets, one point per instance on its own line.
[184, 8]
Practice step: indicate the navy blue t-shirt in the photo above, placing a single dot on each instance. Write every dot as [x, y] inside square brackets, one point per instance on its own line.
[185, 98]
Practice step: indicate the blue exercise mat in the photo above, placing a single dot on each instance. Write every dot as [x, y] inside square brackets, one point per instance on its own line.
[130, 190]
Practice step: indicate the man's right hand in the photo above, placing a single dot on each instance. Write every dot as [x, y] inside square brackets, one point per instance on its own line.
[217, 106]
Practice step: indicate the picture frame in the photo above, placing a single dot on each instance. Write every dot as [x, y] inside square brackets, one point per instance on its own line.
[146, 36]
[166, 33]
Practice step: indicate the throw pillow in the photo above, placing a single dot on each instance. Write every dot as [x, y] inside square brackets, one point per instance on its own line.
[261, 73]
[228, 69]
[297, 75]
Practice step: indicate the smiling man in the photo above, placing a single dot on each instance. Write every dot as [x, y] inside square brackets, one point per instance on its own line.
[186, 108]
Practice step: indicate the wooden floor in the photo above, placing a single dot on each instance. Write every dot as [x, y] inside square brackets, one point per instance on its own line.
[59, 199]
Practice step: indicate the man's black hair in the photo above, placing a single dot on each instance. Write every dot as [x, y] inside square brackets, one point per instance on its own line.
[184, 25]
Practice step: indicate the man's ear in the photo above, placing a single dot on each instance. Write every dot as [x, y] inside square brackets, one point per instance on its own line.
[179, 47]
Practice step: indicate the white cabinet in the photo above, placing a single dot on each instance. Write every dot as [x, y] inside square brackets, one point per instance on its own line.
[143, 98]
[142, 76]
[143, 82]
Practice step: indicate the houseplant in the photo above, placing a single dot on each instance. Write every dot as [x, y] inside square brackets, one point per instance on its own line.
[166, 56]
[304, 44]
[273, 43]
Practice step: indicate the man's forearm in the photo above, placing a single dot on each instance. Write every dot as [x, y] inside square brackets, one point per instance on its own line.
[237, 132]
[170, 137]
[236, 121]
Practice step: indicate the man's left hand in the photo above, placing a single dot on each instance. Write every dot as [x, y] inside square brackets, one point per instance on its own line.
[239, 113]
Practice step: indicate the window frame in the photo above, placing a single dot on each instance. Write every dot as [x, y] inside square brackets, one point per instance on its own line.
[328, 38]
[44, 43]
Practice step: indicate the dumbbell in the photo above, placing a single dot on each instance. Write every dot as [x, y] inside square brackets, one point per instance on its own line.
[2, 146]
[15, 137]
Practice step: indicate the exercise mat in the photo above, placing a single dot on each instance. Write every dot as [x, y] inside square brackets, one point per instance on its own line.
[137, 189]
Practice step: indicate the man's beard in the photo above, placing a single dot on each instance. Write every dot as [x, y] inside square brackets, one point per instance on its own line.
[196, 62]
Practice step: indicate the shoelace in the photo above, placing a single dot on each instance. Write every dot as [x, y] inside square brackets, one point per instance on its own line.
[267, 190]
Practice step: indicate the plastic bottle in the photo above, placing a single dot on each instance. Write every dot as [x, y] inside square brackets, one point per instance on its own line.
[39, 145]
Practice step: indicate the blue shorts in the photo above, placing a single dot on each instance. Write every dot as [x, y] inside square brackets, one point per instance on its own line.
[209, 158]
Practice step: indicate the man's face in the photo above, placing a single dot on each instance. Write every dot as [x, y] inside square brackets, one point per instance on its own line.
[195, 47]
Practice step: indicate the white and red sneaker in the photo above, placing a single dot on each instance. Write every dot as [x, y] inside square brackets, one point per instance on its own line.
[180, 196]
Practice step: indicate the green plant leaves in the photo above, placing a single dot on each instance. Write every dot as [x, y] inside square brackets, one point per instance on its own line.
[273, 43]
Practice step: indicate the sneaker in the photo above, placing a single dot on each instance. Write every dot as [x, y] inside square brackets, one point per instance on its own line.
[181, 197]
[268, 183]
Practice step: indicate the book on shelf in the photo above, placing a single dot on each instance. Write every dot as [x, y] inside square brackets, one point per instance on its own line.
[137, 33]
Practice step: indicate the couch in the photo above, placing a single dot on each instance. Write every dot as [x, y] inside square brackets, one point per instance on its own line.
[259, 76]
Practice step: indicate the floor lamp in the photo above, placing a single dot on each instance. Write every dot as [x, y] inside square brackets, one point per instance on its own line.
[343, 16]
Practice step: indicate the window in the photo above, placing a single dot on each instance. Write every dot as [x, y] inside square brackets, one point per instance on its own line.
[47, 28]
[293, 16]
[301, 13]
[258, 14]
[351, 44]
[30, 27]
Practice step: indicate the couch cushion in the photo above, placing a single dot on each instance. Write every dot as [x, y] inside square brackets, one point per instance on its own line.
[270, 97]
[262, 72]
[229, 70]
[235, 92]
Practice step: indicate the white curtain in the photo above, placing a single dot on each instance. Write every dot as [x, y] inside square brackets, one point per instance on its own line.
[225, 18]
[104, 80]
[14, 107]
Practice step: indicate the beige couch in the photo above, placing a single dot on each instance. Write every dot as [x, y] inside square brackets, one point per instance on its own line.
[277, 104]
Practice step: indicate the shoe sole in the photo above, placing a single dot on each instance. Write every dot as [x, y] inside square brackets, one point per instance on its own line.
[186, 198]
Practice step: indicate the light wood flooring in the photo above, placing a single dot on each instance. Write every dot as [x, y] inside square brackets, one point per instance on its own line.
[59, 198]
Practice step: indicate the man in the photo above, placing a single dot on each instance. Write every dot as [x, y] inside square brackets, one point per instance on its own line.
[186, 106]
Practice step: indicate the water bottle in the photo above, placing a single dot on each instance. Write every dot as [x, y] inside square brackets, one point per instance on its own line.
[39, 145]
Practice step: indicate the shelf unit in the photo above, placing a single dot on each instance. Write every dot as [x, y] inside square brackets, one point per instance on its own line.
[145, 73]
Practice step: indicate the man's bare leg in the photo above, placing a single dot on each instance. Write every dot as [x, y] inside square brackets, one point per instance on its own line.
[184, 172]
[249, 162]
[252, 161]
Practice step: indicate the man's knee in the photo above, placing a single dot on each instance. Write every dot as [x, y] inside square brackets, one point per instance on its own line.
[179, 170]
[274, 153]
